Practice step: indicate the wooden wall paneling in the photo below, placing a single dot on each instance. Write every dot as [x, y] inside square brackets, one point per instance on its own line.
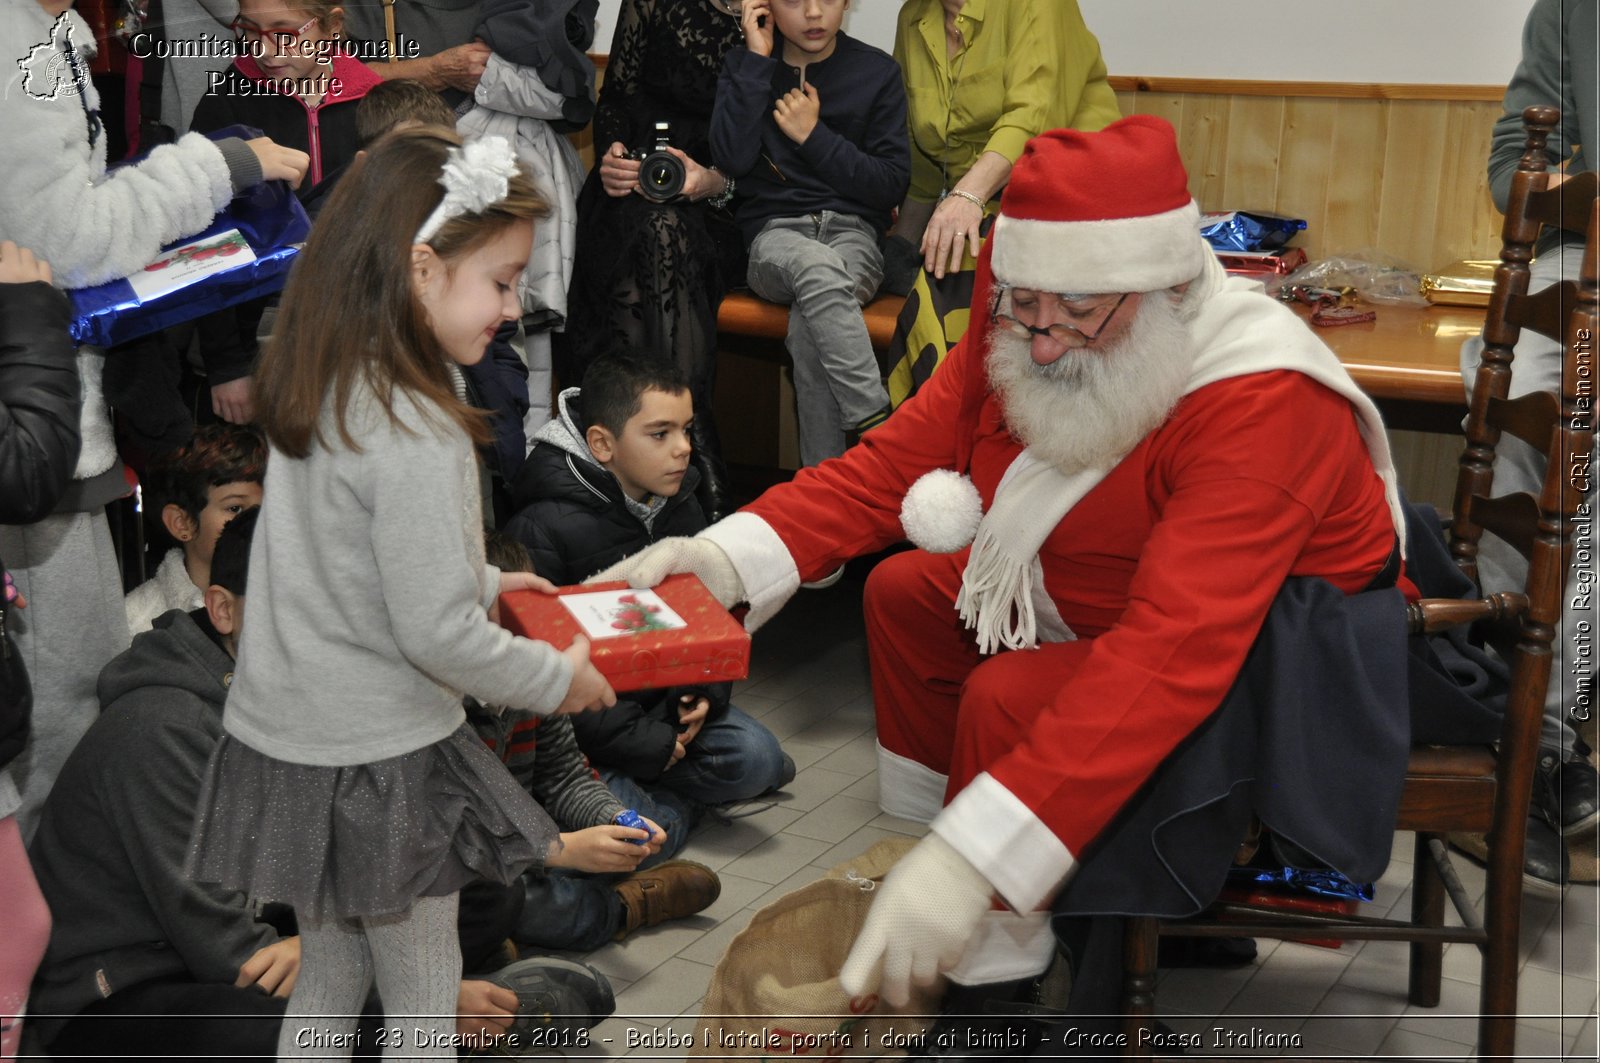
[1468, 224]
[1203, 143]
[1356, 185]
[1254, 146]
[1306, 167]
[1414, 174]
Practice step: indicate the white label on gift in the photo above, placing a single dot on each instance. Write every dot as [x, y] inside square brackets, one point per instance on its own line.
[188, 263]
[610, 614]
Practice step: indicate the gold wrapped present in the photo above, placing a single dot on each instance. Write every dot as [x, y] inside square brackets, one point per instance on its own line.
[1464, 283]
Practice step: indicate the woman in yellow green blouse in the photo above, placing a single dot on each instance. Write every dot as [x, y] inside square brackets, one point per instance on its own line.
[982, 78]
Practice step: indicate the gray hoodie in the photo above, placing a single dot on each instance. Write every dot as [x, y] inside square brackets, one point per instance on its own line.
[114, 832]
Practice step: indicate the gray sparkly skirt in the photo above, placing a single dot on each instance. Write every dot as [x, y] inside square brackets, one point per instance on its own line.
[363, 839]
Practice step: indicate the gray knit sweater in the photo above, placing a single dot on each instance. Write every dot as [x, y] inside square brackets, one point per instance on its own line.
[366, 621]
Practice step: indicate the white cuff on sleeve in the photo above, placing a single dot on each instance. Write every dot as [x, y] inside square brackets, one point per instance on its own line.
[763, 563]
[1006, 947]
[1001, 837]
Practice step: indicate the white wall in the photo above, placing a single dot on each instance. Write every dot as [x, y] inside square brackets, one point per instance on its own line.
[1452, 42]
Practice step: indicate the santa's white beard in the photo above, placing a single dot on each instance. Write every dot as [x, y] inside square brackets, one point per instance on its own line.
[1092, 406]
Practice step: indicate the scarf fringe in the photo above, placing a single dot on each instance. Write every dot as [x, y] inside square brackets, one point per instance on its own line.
[996, 598]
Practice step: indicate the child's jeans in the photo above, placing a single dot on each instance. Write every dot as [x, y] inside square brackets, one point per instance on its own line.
[825, 267]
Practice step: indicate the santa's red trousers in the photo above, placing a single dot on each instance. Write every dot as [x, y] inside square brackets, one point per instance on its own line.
[941, 703]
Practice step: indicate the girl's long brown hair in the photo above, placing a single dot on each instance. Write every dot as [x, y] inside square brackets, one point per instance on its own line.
[349, 311]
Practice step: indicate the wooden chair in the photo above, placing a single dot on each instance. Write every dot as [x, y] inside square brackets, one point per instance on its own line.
[1465, 788]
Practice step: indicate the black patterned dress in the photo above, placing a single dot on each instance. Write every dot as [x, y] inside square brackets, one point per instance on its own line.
[649, 276]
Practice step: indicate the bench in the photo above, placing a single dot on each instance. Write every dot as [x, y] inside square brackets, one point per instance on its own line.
[744, 316]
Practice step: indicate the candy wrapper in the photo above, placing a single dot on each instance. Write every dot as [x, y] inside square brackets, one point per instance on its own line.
[1248, 230]
[1268, 267]
[1464, 283]
[245, 253]
[675, 634]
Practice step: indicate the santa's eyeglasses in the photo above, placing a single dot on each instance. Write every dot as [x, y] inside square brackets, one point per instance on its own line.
[1086, 315]
[254, 36]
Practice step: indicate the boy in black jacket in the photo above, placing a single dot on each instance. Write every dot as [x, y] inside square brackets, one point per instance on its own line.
[608, 477]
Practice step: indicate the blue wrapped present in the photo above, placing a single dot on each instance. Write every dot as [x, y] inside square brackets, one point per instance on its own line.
[1248, 230]
[244, 254]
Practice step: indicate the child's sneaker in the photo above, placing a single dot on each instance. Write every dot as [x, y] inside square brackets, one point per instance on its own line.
[553, 994]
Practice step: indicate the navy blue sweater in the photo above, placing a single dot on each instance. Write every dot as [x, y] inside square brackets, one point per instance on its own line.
[856, 161]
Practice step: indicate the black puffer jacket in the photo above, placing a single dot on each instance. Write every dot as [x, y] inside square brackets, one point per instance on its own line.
[573, 519]
[39, 399]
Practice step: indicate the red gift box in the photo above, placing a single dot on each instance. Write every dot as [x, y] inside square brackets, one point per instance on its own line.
[713, 648]
[1274, 898]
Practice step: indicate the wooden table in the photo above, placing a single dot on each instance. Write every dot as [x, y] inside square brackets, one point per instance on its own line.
[1408, 360]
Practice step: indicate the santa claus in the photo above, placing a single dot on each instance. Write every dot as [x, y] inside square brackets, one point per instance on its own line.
[1145, 450]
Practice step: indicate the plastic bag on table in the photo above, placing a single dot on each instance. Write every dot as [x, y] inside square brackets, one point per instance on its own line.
[1375, 277]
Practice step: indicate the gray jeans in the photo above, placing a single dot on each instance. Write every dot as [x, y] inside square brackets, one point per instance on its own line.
[824, 267]
[1536, 366]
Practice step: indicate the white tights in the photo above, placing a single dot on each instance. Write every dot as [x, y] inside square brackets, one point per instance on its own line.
[415, 959]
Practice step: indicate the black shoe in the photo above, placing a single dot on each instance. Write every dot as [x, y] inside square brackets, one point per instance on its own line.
[1568, 792]
[1205, 952]
[853, 434]
[553, 995]
[984, 1022]
[1545, 865]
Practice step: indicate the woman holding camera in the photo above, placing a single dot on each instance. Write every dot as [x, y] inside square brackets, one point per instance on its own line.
[650, 272]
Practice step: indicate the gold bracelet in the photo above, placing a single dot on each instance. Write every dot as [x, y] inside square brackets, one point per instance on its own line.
[968, 196]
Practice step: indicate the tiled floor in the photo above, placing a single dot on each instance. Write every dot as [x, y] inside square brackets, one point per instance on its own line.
[809, 684]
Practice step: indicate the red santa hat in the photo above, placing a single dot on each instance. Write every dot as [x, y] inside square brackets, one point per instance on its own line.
[1099, 212]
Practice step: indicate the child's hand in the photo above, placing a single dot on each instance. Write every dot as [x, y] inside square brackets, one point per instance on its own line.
[692, 713]
[797, 111]
[519, 581]
[234, 401]
[525, 581]
[19, 266]
[279, 163]
[274, 967]
[13, 596]
[757, 22]
[589, 689]
[606, 848]
[619, 175]
[484, 1012]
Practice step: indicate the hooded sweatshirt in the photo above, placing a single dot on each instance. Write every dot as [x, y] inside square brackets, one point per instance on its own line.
[115, 830]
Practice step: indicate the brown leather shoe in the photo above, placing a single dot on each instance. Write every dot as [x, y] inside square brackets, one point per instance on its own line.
[667, 891]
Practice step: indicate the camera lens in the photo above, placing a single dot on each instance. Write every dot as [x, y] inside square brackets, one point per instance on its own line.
[661, 176]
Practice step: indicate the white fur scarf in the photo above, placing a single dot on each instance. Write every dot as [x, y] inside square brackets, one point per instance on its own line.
[1236, 330]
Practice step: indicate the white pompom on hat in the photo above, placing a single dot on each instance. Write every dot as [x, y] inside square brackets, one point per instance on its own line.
[941, 511]
[1099, 212]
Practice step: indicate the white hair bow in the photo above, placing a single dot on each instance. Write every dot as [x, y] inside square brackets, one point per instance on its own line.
[475, 176]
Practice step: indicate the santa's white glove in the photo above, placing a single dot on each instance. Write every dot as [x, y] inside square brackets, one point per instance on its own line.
[656, 562]
[922, 917]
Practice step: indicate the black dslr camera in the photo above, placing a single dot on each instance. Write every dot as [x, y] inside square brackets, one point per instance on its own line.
[661, 173]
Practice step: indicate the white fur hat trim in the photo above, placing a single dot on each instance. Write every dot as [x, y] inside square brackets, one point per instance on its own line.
[941, 512]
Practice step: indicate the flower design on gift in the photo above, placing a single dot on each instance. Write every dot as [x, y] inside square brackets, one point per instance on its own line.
[634, 616]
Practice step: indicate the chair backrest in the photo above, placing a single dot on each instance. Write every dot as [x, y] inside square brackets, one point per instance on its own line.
[1532, 204]
[1543, 528]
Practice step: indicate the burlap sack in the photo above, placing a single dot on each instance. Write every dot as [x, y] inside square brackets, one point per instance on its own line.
[775, 993]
